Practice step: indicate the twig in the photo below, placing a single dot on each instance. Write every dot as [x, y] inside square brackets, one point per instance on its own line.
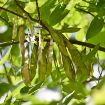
[82, 10]
[6, 21]
[35, 20]
[86, 44]
[37, 7]
[26, 13]
[5, 3]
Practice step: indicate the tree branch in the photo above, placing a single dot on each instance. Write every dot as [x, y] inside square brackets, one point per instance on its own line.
[37, 7]
[86, 44]
[1, 8]
[4, 44]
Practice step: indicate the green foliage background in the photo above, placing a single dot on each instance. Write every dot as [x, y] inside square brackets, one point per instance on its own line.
[57, 44]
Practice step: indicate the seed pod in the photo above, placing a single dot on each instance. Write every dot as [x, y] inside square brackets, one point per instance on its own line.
[68, 68]
[21, 41]
[81, 69]
[14, 33]
[25, 74]
[58, 39]
[49, 58]
[42, 65]
[33, 62]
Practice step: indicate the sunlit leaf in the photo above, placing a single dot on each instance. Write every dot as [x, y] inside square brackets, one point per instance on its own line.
[45, 9]
[95, 27]
[24, 90]
[30, 7]
[58, 14]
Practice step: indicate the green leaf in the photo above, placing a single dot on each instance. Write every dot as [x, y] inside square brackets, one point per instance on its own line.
[4, 59]
[58, 14]
[5, 87]
[30, 7]
[95, 27]
[7, 35]
[35, 87]
[93, 52]
[99, 38]
[45, 9]
[68, 67]
[68, 98]
[24, 90]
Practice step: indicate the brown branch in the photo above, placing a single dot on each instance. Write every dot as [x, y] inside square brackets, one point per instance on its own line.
[86, 44]
[71, 41]
[1, 8]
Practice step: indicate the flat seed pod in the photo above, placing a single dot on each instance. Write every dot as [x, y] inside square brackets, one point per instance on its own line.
[14, 33]
[57, 38]
[68, 67]
[42, 65]
[21, 41]
[25, 74]
[49, 58]
[81, 69]
[33, 62]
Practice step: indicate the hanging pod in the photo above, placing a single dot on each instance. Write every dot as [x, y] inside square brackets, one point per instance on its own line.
[42, 64]
[25, 74]
[21, 42]
[49, 57]
[33, 62]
